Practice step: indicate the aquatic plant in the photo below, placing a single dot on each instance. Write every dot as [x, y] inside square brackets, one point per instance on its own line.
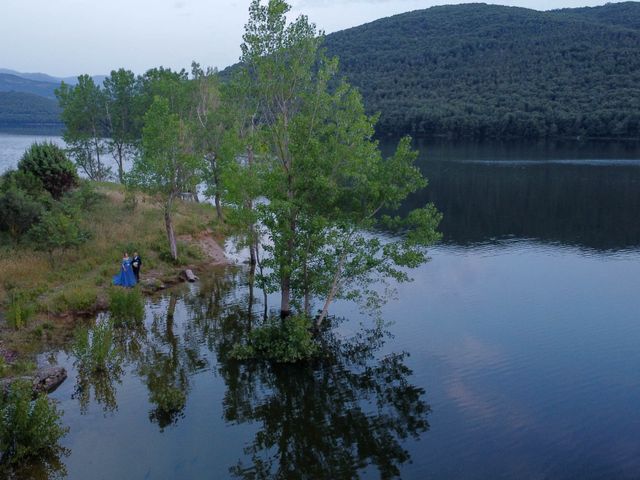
[279, 341]
[126, 306]
[94, 348]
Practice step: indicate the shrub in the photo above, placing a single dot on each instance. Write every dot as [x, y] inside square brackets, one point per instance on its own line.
[49, 163]
[75, 299]
[20, 308]
[280, 341]
[59, 228]
[126, 305]
[85, 197]
[18, 212]
[28, 429]
[95, 349]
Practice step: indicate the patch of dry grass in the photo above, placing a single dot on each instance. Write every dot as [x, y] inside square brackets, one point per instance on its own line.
[115, 228]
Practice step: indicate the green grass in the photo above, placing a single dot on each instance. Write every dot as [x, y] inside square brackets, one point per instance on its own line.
[75, 275]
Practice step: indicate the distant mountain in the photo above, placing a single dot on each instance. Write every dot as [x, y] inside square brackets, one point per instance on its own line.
[487, 70]
[43, 77]
[13, 83]
[28, 99]
[26, 109]
[622, 14]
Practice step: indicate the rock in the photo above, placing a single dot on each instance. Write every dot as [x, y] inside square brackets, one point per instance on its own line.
[45, 380]
[152, 284]
[189, 276]
[48, 379]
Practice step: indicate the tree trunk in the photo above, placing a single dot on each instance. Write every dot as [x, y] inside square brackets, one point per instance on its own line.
[218, 206]
[332, 292]
[216, 179]
[120, 161]
[285, 296]
[168, 223]
[253, 241]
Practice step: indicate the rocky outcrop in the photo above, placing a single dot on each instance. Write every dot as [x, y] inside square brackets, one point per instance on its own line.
[45, 380]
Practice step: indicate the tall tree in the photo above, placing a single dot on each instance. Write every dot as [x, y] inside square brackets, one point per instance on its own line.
[83, 114]
[327, 183]
[120, 96]
[213, 130]
[167, 165]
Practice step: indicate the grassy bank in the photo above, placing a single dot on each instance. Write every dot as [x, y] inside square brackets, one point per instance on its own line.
[44, 292]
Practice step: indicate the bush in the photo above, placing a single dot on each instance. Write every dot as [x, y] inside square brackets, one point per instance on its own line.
[28, 429]
[126, 306]
[18, 212]
[280, 341]
[75, 299]
[59, 228]
[85, 197]
[95, 349]
[20, 309]
[49, 163]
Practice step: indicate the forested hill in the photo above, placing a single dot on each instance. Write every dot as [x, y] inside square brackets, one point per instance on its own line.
[19, 109]
[486, 70]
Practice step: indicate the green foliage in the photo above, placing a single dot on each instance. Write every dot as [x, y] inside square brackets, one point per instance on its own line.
[85, 198]
[77, 299]
[94, 348]
[280, 341]
[28, 429]
[18, 212]
[126, 306]
[489, 71]
[48, 163]
[120, 90]
[20, 307]
[322, 173]
[22, 108]
[59, 228]
[84, 116]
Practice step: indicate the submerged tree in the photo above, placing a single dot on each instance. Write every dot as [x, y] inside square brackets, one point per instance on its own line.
[326, 182]
[337, 418]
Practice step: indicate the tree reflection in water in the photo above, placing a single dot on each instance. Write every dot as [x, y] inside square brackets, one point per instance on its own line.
[166, 365]
[337, 417]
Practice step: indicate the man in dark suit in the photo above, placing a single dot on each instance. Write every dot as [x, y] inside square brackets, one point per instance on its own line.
[136, 264]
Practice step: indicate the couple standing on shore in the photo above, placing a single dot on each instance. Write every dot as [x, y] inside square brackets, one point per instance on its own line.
[129, 271]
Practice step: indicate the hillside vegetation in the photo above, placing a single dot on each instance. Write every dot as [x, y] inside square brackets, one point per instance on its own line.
[486, 70]
[21, 109]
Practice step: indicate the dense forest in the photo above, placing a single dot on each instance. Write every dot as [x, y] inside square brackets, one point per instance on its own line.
[23, 109]
[485, 70]
[476, 70]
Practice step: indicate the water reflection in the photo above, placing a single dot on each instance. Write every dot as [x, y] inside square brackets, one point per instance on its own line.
[580, 194]
[344, 415]
[337, 417]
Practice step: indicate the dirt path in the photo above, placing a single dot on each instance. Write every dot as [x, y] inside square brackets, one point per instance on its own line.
[209, 246]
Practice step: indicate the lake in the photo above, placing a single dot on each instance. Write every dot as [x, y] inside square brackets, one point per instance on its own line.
[513, 354]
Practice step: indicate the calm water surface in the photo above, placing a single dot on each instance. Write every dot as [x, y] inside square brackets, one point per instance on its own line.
[513, 354]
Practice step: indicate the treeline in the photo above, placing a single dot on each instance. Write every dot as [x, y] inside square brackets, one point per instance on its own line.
[20, 109]
[491, 71]
[284, 144]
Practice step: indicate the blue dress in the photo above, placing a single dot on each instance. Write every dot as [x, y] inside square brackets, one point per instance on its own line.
[125, 278]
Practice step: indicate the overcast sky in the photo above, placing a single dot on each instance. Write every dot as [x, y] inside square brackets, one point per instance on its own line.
[68, 37]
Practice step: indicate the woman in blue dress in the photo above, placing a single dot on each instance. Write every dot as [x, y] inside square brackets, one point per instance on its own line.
[125, 278]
